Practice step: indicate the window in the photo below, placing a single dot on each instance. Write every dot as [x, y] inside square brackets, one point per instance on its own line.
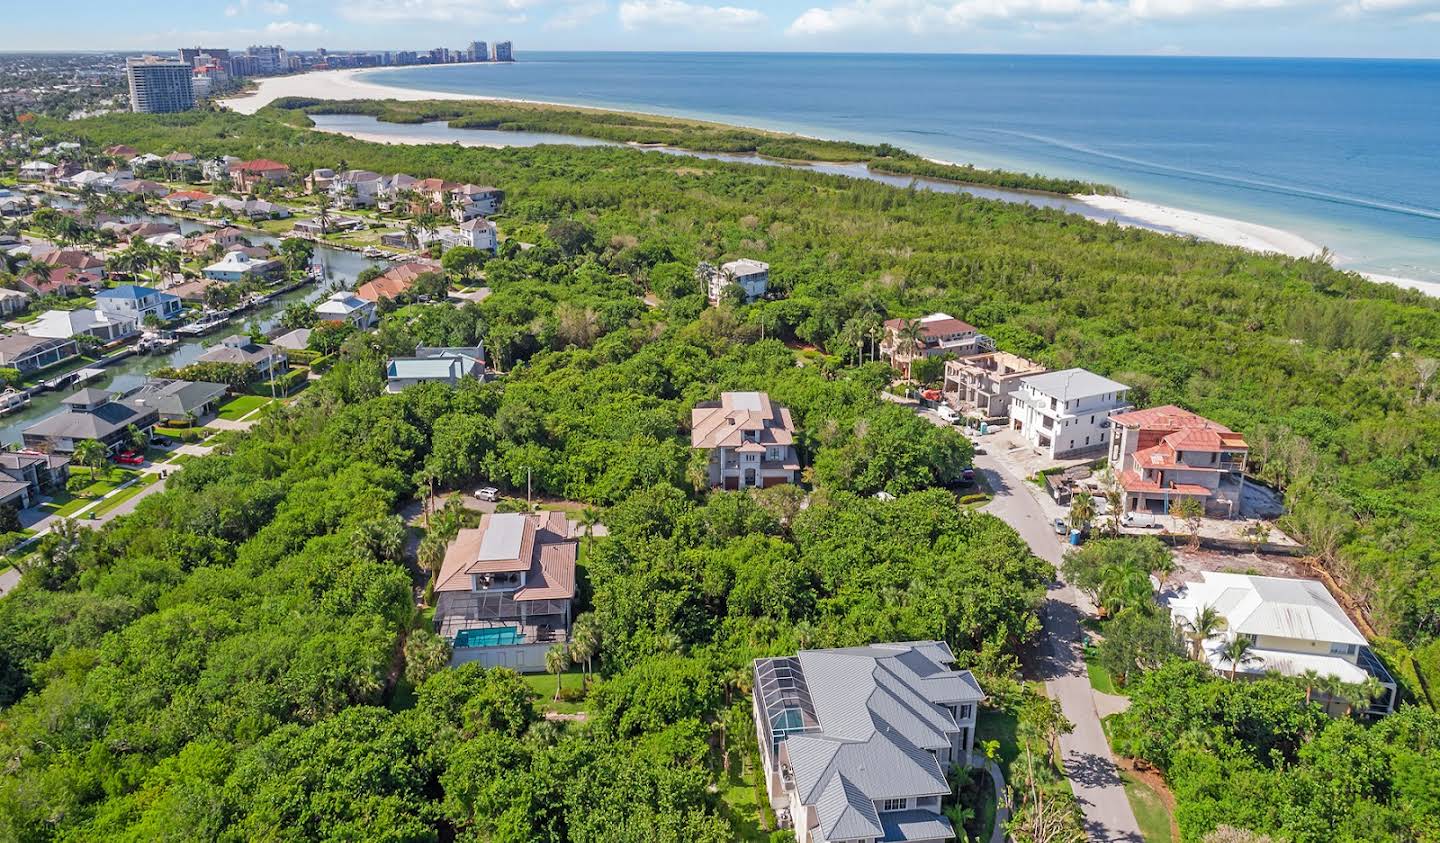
[965, 712]
[895, 804]
[1337, 649]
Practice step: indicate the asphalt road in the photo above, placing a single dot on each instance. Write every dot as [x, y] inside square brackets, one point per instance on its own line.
[1088, 763]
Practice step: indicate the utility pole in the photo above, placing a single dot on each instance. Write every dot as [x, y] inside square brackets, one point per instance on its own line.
[528, 505]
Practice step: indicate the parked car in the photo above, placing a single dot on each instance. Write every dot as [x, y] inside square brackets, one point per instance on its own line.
[1142, 520]
[1061, 528]
[489, 493]
[948, 414]
[129, 458]
[160, 441]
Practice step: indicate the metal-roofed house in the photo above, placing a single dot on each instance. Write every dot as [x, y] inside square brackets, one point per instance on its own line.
[751, 276]
[91, 414]
[132, 301]
[1293, 626]
[936, 335]
[855, 742]
[751, 440]
[344, 306]
[1163, 454]
[1066, 412]
[177, 401]
[504, 589]
[435, 365]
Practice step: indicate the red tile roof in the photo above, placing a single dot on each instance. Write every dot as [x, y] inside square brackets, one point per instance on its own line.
[932, 327]
[190, 196]
[259, 165]
[1184, 430]
[1134, 483]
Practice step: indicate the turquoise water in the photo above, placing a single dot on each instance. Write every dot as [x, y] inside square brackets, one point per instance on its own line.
[495, 636]
[1339, 151]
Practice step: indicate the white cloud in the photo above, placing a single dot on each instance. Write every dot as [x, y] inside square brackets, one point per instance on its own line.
[574, 15]
[921, 16]
[271, 8]
[644, 14]
[391, 11]
[290, 27]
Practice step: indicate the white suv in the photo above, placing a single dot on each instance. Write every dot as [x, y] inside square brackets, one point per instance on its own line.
[489, 493]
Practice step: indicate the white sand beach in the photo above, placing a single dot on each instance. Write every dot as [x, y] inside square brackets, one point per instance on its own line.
[346, 85]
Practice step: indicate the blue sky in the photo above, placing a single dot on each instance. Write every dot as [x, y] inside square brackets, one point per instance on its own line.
[1384, 28]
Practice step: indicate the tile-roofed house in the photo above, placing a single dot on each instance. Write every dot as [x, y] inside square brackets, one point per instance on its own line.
[937, 335]
[245, 175]
[856, 742]
[29, 354]
[449, 366]
[78, 260]
[184, 200]
[751, 440]
[122, 151]
[91, 414]
[1163, 454]
[59, 281]
[983, 383]
[504, 590]
[396, 281]
[1293, 626]
[1067, 412]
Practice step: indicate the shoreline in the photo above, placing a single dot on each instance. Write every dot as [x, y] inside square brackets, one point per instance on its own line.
[345, 85]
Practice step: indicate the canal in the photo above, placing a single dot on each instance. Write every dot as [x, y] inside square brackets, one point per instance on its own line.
[341, 269]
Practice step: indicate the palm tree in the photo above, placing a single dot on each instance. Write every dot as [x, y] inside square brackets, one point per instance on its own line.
[1123, 585]
[1311, 679]
[323, 214]
[1202, 627]
[557, 660]
[585, 641]
[91, 454]
[908, 341]
[1082, 511]
[1237, 652]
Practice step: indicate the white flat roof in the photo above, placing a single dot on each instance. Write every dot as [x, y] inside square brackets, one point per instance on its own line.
[503, 537]
[1069, 384]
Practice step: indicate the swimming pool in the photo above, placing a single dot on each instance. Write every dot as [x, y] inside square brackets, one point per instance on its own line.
[493, 636]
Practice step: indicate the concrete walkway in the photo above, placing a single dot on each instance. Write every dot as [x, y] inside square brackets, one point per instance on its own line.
[1002, 800]
[1088, 763]
[9, 578]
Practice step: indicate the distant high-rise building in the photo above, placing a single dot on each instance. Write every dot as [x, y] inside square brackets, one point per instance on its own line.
[159, 86]
[189, 55]
[503, 51]
[479, 51]
[269, 59]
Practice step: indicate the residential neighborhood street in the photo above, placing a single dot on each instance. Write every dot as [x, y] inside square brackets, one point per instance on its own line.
[1091, 768]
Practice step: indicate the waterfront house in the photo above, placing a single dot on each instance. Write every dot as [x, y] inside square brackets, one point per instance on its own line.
[251, 209]
[315, 228]
[239, 349]
[752, 277]
[36, 170]
[449, 366]
[1164, 454]
[855, 743]
[355, 189]
[937, 335]
[70, 324]
[982, 384]
[504, 590]
[225, 237]
[30, 354]
[91, 414]
[214, 169]
[170, 241]
[750, 438]
[245, 176]
[144, 187]
[296, 340]
[237, 266]
[139, 303]
[27, 475]
[76, 259]
[345, 306]
[1294, 626]
[397, 280]
[179, 402]
[189, 200]
[1065, 413]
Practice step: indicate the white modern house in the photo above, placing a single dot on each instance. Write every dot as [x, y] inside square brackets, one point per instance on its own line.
[1294, 626]
[751, 276]
[345, 306]
[1068, 412]
[237, 266]
[856, 742]
[132, 301]
[69, 324]
[751, 440]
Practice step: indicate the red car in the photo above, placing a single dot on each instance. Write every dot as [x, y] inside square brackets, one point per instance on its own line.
[130, 458]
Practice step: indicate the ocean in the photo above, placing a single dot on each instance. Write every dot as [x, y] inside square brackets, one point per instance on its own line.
[1343, 152]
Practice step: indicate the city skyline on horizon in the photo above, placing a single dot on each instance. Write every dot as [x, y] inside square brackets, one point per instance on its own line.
[1239, 28]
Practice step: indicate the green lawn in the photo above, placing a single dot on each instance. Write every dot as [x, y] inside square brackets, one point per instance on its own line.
[737, 791]
[999, 726]
[65, 504]
[120, 497]
[543, 686]
[236, 408]
[1100, 678]
[1149, 808]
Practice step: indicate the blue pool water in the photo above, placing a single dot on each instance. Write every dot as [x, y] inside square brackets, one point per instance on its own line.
[1339, 151]
[495, 636]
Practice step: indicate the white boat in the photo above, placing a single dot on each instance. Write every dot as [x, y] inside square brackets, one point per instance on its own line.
[12, 400]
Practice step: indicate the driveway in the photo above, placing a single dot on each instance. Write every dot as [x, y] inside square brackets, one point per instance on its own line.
[1088, 763]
